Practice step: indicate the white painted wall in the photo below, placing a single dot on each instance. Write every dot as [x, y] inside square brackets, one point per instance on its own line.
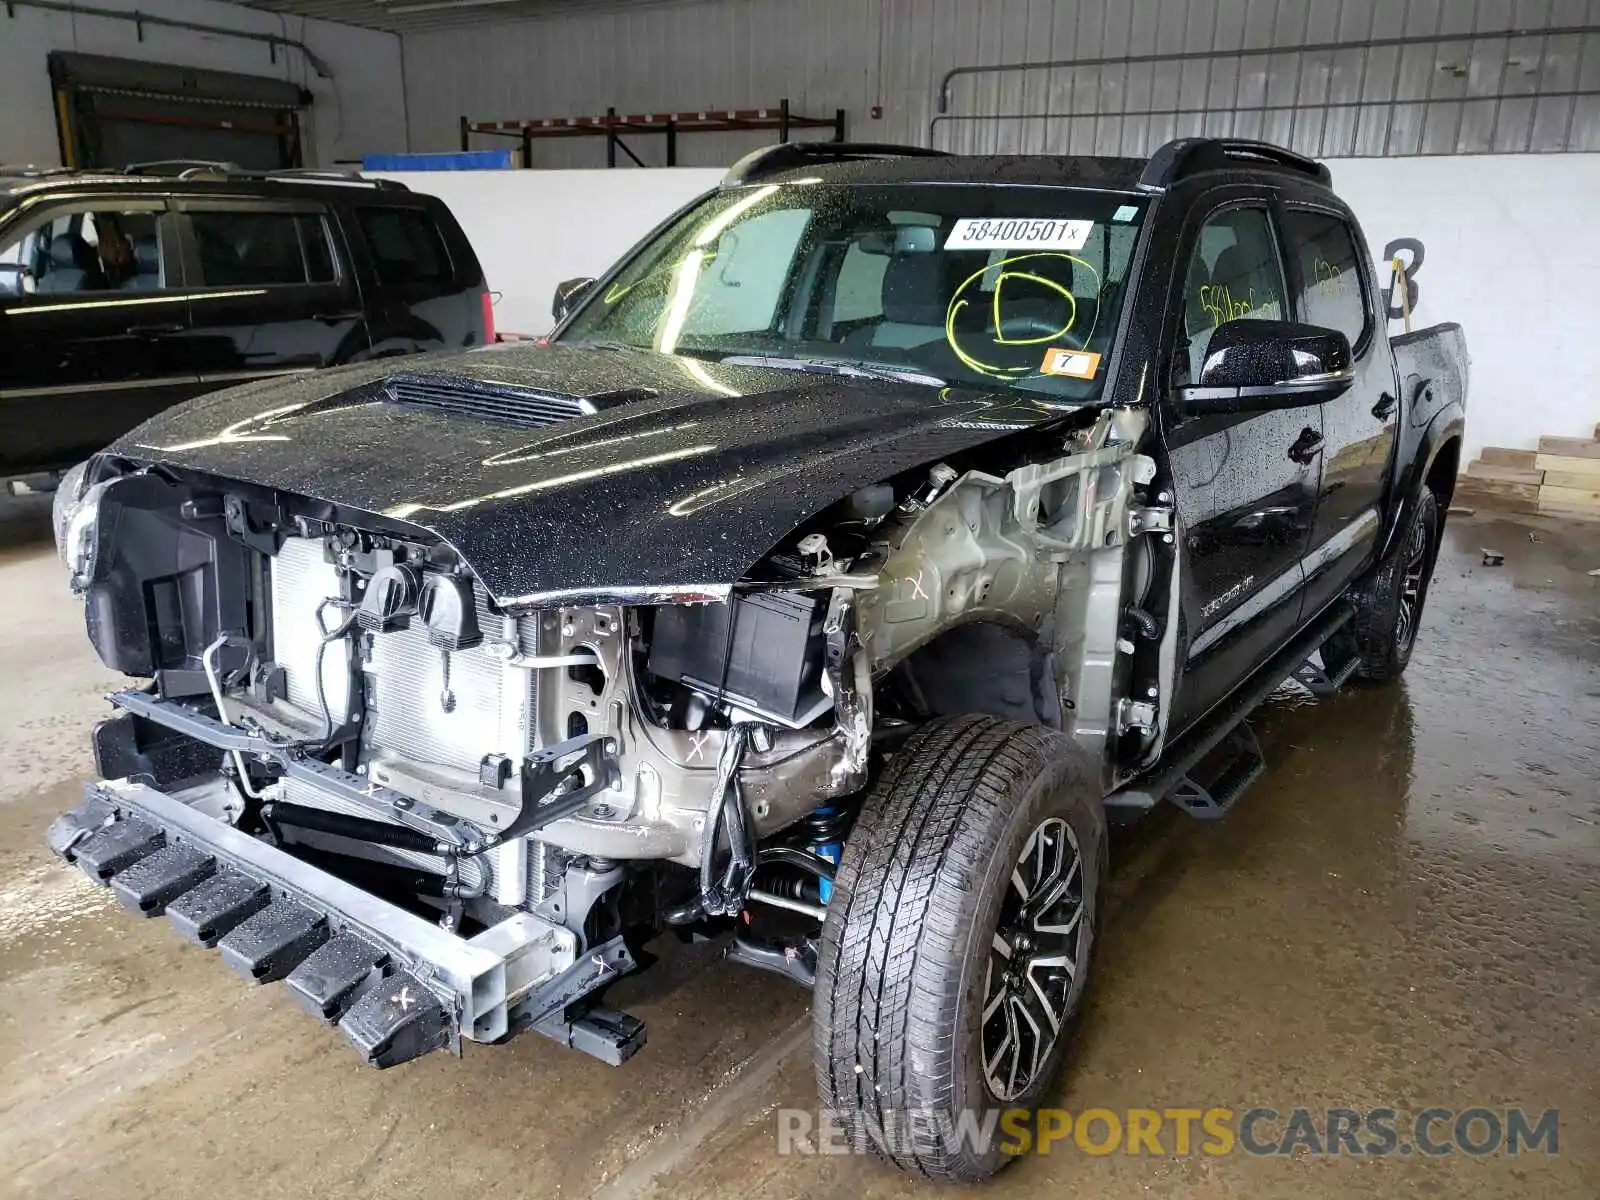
[532, 229]
[1512, 251]
[360, 110]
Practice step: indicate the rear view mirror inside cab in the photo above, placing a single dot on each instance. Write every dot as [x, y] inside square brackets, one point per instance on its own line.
[903, 239]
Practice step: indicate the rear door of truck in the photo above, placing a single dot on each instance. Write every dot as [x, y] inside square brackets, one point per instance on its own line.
[1333, 285]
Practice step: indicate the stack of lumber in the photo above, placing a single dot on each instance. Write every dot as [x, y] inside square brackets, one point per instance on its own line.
[1561, 478]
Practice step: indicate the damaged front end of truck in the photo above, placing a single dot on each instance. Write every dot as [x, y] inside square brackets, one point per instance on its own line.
[439, 753]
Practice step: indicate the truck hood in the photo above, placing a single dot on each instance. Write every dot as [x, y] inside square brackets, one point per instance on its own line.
[656, 476]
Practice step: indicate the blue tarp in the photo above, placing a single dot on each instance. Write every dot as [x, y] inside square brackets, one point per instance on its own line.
[470, 160]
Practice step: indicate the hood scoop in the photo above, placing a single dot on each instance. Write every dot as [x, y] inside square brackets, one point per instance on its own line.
[502, 403]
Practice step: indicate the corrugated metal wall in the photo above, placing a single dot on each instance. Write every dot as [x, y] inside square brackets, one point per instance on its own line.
[1443, 91]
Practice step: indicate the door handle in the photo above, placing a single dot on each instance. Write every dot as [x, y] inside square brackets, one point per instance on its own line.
[160, 330]
[1385, 405]
[1306, 447]
[333, 318]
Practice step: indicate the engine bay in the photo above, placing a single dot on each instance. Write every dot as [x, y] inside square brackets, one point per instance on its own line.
[345, 689]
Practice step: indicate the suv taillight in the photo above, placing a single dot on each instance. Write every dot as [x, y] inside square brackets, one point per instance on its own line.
[488, 318]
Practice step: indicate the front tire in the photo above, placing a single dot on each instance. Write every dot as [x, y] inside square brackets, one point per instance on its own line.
[959, 941]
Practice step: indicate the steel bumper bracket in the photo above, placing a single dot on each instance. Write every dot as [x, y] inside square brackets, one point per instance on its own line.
[398, 984]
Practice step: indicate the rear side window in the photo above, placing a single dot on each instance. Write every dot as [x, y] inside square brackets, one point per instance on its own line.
[261, 248]
[406, 245]
[1330, 272]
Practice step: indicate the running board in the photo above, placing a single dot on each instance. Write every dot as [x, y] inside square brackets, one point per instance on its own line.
[1324, 680]
[1211, 802]
[1226, 724]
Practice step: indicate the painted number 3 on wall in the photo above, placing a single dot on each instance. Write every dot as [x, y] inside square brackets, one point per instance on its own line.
[1402, 247]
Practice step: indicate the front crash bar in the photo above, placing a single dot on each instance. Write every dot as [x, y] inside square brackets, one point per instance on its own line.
[397, 984]
[472, 981]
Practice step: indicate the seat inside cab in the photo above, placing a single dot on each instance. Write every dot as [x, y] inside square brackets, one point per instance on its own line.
[898, 289]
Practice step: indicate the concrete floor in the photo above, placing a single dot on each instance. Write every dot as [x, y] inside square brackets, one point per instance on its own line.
[1404, 912]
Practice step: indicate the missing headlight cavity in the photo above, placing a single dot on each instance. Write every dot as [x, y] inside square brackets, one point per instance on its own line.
[763, 653]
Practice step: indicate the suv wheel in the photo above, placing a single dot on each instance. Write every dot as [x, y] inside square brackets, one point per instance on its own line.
[959, 941]
[1389, 602]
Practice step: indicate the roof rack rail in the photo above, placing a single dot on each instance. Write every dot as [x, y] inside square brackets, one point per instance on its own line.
[182, 168]
[1188, 156]
[785, 156]
[30, 171]
[328, 175]
[196, 168]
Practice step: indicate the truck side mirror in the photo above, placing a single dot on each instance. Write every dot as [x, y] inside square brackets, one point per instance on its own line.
[1254, 366]
[568, 293]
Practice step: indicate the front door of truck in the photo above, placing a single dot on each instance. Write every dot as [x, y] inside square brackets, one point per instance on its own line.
[1246, 483]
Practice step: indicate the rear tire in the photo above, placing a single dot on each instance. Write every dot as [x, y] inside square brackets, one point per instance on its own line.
[964, 918]
[1389, 602]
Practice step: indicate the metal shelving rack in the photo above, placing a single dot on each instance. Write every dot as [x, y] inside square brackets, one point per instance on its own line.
[613, 125]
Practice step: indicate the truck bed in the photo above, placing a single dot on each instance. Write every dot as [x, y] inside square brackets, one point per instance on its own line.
[1434, 367]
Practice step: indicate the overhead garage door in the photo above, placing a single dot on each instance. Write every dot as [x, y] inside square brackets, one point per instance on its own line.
[114, 111]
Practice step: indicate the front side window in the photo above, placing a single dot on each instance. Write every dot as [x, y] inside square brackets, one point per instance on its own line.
[1331, 294]
[1016, 287]
[242, 248]
[1234, 274]
[111, 249]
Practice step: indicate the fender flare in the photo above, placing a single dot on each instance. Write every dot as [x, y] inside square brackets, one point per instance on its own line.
[1447, 426]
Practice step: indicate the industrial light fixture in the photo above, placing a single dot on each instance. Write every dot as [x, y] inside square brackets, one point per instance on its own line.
[442, 5]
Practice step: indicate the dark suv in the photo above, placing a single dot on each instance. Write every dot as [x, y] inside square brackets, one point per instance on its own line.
[124, 293]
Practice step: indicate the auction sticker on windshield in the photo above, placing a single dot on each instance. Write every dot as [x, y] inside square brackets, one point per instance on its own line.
[1017, 233]
[1074, 364]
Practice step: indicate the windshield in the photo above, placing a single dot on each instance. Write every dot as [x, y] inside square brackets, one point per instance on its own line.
[982, 285]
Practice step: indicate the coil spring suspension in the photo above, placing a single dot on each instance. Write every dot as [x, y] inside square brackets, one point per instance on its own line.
[822, 831]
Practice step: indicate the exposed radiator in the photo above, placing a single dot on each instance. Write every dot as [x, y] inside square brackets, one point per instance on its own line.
[301, 580]
[412, 714]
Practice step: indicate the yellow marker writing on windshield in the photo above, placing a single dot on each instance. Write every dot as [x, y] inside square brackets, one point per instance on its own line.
[997, 338]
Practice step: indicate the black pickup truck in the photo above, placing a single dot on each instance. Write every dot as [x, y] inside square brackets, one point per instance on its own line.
[125, 292]
[861, 544]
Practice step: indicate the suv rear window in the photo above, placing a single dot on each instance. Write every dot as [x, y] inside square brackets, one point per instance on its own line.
[261, 248]
[406, 245]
